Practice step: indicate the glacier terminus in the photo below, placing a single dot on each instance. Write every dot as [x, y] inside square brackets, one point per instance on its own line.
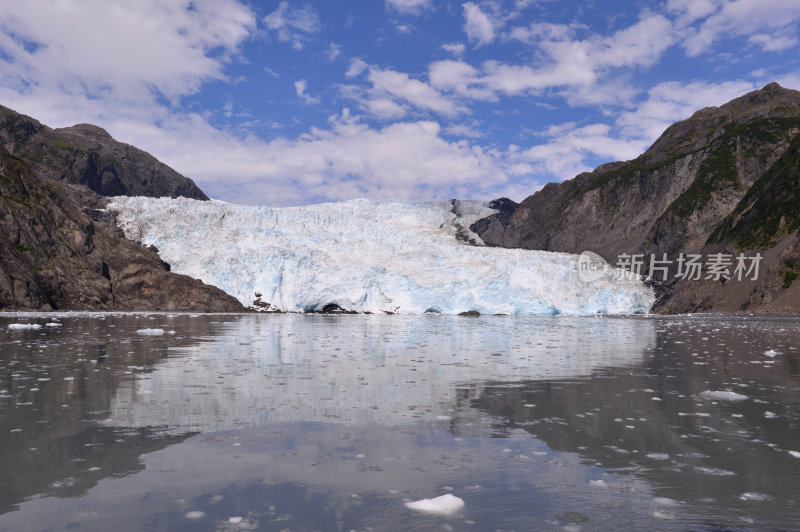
[368, 256]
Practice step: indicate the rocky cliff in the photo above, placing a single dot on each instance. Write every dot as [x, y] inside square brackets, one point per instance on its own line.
[724, 181]
[58, 249]
[87, 155]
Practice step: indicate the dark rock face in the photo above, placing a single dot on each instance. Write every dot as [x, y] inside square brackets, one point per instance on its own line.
[54, 255]
[723, 181]
[493, 227]
[87, 155]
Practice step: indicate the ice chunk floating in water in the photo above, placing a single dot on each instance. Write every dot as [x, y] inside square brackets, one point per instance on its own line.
[444, 505]
[722, 395]
[150, 332]
[367, 256]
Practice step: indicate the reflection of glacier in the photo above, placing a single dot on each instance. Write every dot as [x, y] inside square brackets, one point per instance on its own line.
[390, 370]
[369, 256]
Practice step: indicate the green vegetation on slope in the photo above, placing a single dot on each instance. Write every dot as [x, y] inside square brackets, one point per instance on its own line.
[770, 208]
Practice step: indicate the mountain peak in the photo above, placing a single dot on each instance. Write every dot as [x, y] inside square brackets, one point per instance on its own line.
[85, 154]
[86, 130]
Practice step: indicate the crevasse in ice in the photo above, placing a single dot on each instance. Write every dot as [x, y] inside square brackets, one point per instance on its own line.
[367, 256]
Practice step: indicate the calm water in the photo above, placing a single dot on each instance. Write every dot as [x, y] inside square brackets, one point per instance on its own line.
[290, 422]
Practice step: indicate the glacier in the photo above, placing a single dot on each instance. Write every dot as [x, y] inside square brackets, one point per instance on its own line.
[368, 256]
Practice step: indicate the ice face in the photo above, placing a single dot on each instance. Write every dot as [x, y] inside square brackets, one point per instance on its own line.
[367, 256]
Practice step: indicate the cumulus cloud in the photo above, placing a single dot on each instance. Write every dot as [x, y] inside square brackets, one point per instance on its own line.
[405, 160]
[293, 25]
[393, 93]
[413, 91]
[477, 25]
[563, 61]
[455, 48]
[79, 59]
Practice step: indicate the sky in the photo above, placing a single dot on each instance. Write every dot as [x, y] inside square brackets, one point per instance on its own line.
[298, 102]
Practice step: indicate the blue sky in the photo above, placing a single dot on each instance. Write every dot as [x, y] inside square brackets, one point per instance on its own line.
[291, 102]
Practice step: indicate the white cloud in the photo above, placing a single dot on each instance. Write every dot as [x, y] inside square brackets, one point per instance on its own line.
[403, 90]
[293, 25]
[357, 66]
[669, 102]
[406, 160]
[409, 7]
[300, 87]
[641, 44]
[477, 25]
[464, 130]
[743, 18]
[333, 51]
[461, 78]
[384, 108]
[455, 48]
[564, 154]
[413, 91]
[692, 10]
[73, 60]
[773, 43]
[562, 61]
[543, 31]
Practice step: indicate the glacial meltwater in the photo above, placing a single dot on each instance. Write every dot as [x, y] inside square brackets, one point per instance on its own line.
[374, 422]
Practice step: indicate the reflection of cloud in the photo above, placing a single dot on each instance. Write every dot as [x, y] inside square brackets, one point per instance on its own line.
[363, 476]
[389, 370]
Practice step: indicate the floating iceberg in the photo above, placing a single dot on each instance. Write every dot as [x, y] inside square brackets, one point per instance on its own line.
[150, 332]
[721, 395]
[444, 505]
[367, 256]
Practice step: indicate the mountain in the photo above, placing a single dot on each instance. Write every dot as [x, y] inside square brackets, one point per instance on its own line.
[58, 249]
[724, 181]
[367, 256]
[87, 155]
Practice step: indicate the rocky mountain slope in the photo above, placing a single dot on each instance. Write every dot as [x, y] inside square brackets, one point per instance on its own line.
[87, 155]
[59, 251]
[723, 181]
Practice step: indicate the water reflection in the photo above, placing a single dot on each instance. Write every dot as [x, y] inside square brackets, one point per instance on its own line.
[378, 369]
[331, 423]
